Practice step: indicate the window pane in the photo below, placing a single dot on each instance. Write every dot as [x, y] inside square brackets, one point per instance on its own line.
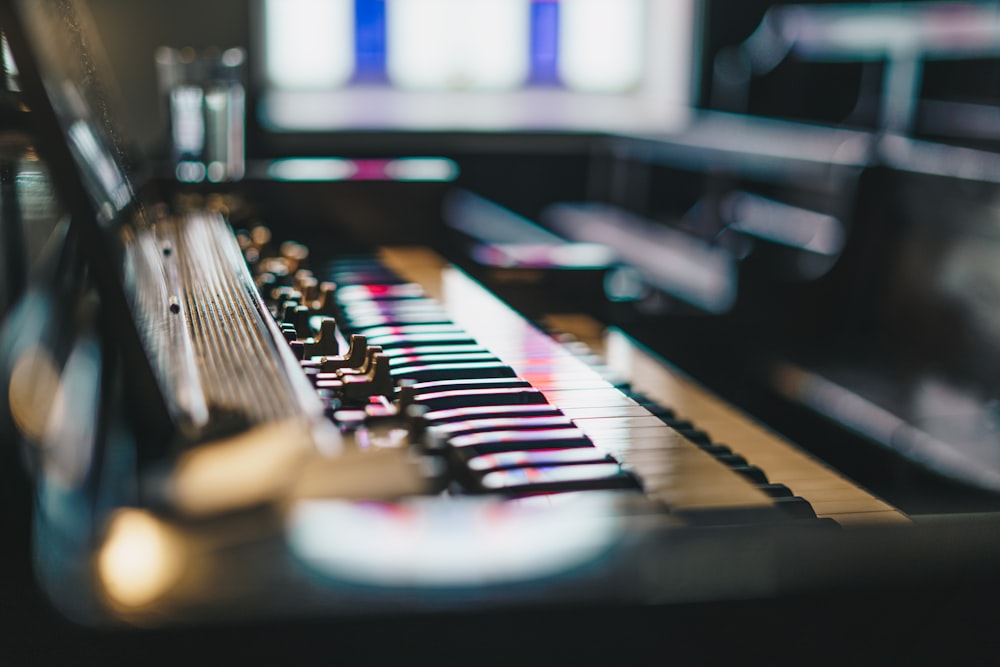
[309, 43]
[458, 44]
[601, 44]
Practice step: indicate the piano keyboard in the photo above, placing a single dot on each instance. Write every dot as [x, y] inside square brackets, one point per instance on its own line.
[757, 468]
[456, 450]
[512, 412]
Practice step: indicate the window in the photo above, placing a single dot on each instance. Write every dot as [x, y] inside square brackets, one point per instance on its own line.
[522, 55]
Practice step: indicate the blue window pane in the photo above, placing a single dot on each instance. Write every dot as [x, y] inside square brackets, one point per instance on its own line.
[370, 41]
[544, 42]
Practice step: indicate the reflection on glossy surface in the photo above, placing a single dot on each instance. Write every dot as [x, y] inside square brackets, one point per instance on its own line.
[281, 461]
[428, 543]
[141, 559]
[254, 467]
[312, 169]
[71, 428]
[33, 384]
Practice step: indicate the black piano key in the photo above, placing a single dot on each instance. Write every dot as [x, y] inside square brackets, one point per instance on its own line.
[752, 473]
[696, 436]
[438, 436]
[466, 398]
[392, 308]
[362, 322]
[730, 459]
[473, 370]
[796, 507]
[411, 329]
[360, 276]
[378, 292]
[536, 457]
[390, 341]
[460, 357]
[449, 415]
[421, 351]
[551, 479]
[501, 423]
[491, 442]
[776, 490]
[717, 450]
[469, 383]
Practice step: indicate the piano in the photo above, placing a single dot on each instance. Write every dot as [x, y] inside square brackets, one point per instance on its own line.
[287, 418]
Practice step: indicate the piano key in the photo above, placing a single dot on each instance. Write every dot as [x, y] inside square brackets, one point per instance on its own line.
[640, 439]
[489, 442]
[795, 506]
[731, 460]
[410, 329]
[562, 382]
[466, 398]
[680, 474]
[597, 424]
[498, 423]
[548, 479]
[392, 308]
[378, 292]
[537, 457]
[390, 341]
[776, 490]
[424, 350]
[751, 473]
[588, 398]
[485, 411]
[468, 383]
[361, 322]
[405, 360]
[461, 371]
[437, 436]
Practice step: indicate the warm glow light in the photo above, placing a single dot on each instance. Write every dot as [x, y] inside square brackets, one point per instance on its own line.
[254, 467]
[309, 43]
[601, 44]
[30, 394]
[71, 428]
[140, 560]
[457, 44]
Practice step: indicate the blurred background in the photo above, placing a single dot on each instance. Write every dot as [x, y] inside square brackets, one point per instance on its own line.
[797, 205]
[800, 202]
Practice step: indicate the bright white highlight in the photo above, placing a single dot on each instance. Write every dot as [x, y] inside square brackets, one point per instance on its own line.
[457, 44]
[601, 44]
[309, 43]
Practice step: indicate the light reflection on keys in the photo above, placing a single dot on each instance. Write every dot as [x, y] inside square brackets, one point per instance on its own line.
[553, 371]
[471, 412]
[558, 382]
[537, 457]
[509, 440]
[496, 423]
[552, 478]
